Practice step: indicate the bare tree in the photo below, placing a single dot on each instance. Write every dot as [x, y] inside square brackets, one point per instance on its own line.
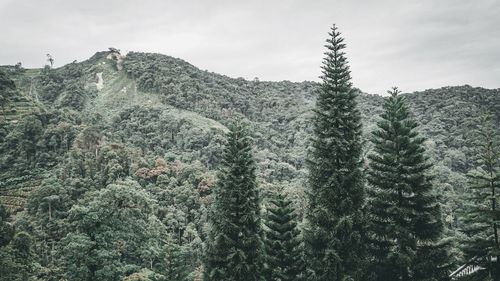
[50, 59]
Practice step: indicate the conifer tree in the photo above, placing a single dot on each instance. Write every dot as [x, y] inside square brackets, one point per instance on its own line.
[283, 244]
[404, 214]
[173, 263]
[482, 218]
[334, 235]
[234, 246]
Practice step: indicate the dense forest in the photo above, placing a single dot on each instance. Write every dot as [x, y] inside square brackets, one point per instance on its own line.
[141, 166]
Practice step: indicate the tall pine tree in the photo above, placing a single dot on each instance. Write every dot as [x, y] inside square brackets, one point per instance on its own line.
[482, 218]
[234, 246]
[404, 214]
[334, 235]
[283, 244]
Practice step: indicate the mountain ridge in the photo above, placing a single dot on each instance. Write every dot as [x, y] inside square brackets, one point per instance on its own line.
[102, 54]
[166, 106]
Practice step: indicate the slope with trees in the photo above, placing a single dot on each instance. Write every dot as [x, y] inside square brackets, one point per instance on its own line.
[159, 122]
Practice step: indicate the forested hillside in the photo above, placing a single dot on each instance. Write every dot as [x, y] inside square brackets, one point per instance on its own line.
[128, 147]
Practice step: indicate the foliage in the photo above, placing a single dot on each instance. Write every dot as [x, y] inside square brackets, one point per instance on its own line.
[283, 242]
[7, 88]
[405, 218]
[482, 213]
[234, 246]
[106, 235]
[16, 258]
[334, 234]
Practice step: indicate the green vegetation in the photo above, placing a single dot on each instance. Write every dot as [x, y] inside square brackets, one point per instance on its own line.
[482, 217]
[405, 218]
[108, 168]
[234, 245]
[283, 242]
[17, 262]
[335, 230]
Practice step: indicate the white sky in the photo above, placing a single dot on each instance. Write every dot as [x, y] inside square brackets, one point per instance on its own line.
[413, 44]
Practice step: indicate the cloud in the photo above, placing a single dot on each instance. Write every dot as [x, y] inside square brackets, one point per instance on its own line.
[413, 44]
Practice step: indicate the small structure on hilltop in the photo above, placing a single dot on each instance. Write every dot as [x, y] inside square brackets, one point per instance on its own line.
[114, 54]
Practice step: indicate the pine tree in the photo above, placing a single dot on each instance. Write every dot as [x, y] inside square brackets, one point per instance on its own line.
[334, 235]
[234, 246]
[404, 214]
[173, 261]
[482, 218]
[283, 244]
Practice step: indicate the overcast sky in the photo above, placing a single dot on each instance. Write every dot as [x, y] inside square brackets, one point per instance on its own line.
[414, 44]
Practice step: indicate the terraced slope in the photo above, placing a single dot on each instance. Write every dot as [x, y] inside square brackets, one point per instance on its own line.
[19, 107]
[23, 101]
[14, 192]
